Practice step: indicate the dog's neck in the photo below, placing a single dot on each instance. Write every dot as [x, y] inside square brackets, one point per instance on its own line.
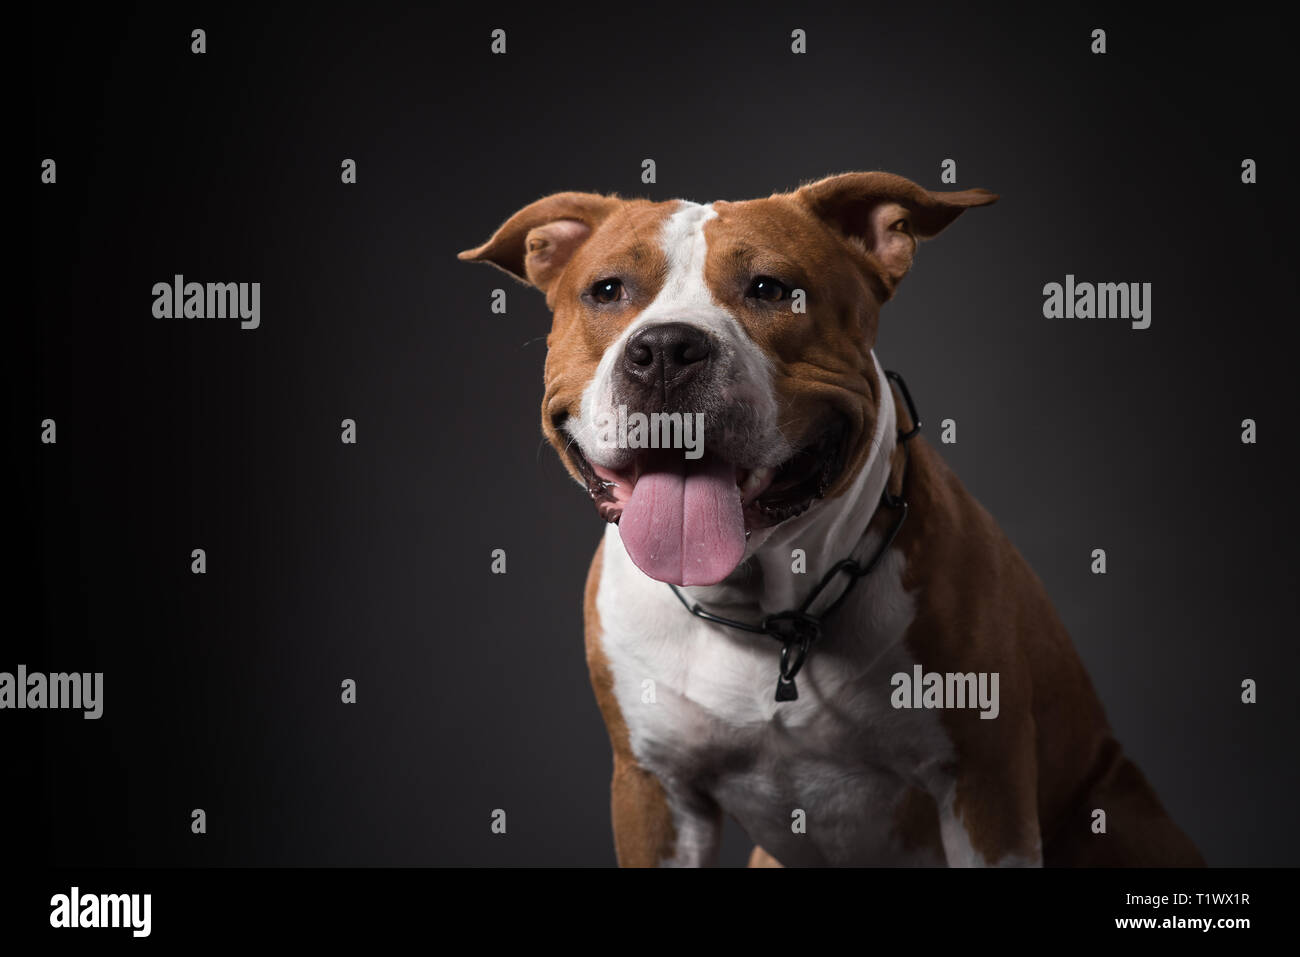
[830, 531]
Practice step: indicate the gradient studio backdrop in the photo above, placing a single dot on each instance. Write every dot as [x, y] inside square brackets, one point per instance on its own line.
[372, 561]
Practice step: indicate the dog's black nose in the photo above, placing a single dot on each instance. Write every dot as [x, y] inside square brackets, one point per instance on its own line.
[666, 355]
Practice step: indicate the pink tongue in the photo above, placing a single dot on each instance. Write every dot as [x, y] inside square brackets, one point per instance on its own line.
[683, 523]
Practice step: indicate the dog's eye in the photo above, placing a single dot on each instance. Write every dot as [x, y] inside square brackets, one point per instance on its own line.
[607, 290]
[901, 226]
[767, 289]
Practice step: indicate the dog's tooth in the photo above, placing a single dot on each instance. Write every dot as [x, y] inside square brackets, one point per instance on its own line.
[757, 479]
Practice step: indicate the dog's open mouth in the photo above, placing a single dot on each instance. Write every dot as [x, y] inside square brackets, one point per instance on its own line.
[685, 521]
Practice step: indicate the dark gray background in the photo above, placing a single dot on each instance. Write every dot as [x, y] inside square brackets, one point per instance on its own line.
[372, 562]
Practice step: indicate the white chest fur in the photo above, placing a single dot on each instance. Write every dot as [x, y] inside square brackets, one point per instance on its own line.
[818, 780]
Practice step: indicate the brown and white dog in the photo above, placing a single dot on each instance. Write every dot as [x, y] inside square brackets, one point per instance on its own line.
[761, 317]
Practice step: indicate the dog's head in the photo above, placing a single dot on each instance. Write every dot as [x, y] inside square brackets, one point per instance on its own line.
[753, 320]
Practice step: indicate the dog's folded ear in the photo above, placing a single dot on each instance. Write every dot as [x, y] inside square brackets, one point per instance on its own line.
[536, 243]
[884, 215]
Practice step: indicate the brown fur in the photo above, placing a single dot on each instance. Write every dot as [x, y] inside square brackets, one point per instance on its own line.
[1050, 757]
[916, 822]
[760, 858]
[644, 834]
[821, 359]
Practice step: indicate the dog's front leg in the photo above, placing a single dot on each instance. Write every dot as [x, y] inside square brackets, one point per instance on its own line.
[655, 829]
[989, 816]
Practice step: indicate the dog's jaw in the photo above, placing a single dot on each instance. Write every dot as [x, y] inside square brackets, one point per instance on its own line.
[831, 530]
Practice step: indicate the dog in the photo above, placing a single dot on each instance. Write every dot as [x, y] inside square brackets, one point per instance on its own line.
[792, 624]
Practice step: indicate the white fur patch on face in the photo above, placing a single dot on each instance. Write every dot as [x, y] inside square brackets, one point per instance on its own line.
[685, 297]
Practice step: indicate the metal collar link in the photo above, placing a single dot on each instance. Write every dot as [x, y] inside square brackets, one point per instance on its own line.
[796, 629]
